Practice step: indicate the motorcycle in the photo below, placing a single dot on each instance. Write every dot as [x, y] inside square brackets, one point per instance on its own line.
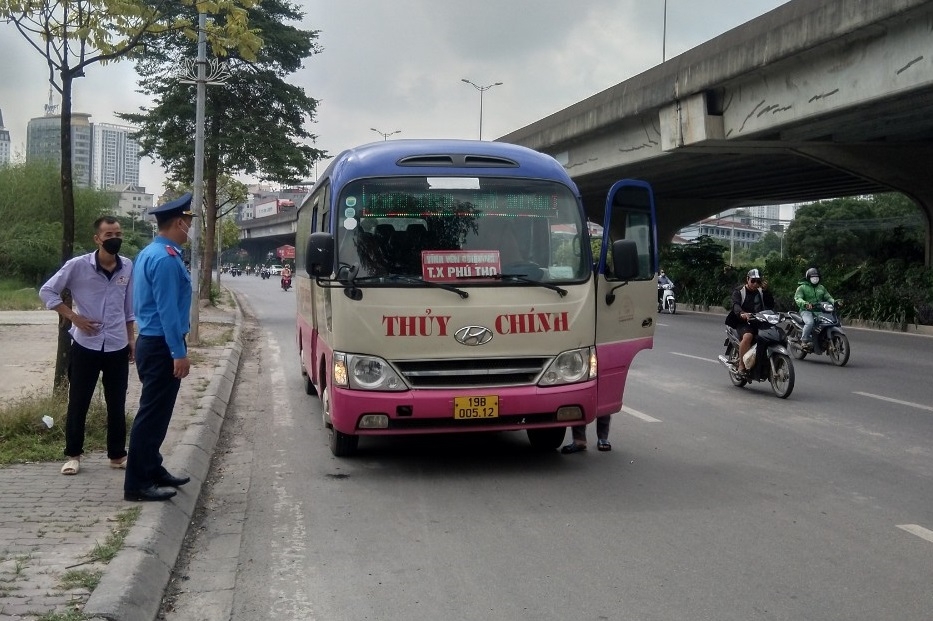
[668, 301]
[771, 362]
[828, 337]
[286, 283]
[264, 273]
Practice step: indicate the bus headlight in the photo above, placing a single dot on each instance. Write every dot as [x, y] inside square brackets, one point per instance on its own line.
[570, 367]
[361, 372]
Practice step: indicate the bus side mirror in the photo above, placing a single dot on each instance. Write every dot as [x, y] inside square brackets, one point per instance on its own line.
[624, 259]
[319, 255]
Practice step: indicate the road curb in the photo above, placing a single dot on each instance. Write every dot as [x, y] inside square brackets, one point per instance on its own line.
[134, 582]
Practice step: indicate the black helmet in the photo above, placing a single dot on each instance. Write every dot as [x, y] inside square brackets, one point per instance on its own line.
[811, 273]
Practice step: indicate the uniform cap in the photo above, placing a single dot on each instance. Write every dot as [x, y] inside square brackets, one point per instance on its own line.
[181, 206]
[753, 273]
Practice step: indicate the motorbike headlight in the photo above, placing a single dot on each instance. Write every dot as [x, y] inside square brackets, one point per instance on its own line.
[570, 367]
[361, 372]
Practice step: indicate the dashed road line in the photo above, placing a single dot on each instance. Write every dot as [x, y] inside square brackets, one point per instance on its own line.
[639, 415]
[676, 353]
[915, 529]
[898, 401]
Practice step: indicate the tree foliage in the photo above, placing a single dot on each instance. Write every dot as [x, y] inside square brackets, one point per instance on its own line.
[256, 123]
[30, 209]
[869, 251]
[75, 34]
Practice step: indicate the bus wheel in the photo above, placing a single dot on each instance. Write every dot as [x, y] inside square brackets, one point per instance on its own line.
[342, 444]
[309, 385]
[546, 439]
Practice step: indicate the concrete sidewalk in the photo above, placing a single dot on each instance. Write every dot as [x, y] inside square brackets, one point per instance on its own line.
[50, 524]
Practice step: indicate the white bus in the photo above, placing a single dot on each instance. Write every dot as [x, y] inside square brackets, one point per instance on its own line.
[449, 286]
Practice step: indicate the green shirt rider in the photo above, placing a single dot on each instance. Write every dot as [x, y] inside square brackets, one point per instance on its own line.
[808, 296]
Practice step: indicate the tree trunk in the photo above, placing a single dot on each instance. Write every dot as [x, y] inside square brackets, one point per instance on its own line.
[210, 226]
[68, 226]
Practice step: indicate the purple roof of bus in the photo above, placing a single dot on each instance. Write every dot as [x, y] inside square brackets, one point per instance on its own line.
[379, 159]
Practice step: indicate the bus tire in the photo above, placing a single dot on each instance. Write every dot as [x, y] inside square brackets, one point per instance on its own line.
[545, 440]
[342, 444]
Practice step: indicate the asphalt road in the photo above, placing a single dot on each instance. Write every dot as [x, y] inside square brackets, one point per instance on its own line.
[716, 503]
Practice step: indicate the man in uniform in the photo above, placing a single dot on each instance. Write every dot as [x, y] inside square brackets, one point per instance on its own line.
[161, 301]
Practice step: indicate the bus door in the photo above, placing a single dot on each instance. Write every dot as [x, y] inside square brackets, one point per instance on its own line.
[625, 303]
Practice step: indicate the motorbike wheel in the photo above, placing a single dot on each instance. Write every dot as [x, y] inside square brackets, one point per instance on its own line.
[732, 354]
[839, 350]
[782, 375]
[796, 349]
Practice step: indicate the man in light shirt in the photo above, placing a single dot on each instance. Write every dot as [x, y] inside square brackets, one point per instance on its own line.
[102, 332]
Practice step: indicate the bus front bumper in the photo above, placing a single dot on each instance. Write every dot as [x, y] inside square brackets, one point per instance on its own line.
[355, 412]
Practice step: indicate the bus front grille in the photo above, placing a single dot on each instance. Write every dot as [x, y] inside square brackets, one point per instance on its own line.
[465, 372]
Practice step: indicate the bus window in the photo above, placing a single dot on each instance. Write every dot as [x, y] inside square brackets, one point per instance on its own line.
[394, 225]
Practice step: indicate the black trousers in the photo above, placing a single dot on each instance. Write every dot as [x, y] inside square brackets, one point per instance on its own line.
[85, 368]
[155, 367]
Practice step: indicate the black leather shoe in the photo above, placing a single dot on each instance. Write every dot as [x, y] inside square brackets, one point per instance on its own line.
[172, 481]
[149, 493]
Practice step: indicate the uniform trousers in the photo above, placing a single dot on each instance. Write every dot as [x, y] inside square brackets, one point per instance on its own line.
[155, 367]
[84, 369]
[602, 429]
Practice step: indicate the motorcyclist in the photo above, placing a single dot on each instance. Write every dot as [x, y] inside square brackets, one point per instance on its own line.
[286, 276]
[662, 280]
[808, 295]
[750, 298]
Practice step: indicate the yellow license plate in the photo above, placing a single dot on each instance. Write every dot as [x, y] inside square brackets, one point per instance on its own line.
[466, 408]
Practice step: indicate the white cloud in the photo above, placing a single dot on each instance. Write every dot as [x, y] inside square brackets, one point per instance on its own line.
[398, 66]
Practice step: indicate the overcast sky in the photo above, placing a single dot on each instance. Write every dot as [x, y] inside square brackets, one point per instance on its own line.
[397, 66]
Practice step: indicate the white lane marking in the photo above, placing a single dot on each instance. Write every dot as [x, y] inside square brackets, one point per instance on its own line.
[898, 401]
[695, 357]
[639, 415]
[917, 530]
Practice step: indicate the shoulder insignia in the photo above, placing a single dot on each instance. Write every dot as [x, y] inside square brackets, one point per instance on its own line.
[169, 249]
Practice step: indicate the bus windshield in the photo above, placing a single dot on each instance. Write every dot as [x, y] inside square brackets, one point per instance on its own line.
[448, 229]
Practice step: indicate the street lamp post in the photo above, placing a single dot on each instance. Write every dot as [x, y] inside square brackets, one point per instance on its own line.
[196, 73]
[664, 35]
[385, 136]
[481, 89]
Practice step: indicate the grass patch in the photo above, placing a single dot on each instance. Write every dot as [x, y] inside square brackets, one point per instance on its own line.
[16, 295]
[80, 579]
[105, 552]
[70, 615]
[24, 437]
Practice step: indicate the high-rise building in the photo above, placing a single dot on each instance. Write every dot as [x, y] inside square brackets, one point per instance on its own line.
[114, 157]
[5, 149]
[43, 141]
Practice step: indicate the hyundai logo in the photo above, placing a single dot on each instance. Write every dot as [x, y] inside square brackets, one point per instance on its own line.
[473, 335]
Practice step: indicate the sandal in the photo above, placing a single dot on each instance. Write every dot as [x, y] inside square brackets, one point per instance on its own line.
[72, 466]
[119, 464]
[573, 447]
[603, 445]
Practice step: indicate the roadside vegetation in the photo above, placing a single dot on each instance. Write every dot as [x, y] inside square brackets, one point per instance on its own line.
[869, 251]
[24, 437]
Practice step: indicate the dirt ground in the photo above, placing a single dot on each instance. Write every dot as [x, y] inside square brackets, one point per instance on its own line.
[27, 361]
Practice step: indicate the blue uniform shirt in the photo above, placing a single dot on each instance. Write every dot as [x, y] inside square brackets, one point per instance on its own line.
[162, 294]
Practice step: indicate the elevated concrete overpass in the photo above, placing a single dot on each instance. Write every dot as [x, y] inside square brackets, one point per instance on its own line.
[259, 236]
[816, 99]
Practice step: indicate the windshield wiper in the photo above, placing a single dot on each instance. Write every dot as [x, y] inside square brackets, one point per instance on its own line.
[516, 278]
[412, 279]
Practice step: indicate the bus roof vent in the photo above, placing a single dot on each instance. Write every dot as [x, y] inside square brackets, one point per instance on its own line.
[458, 160]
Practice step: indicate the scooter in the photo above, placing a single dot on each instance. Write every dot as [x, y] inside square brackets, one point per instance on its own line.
[668, 301]
[828, 337]
[264, 273]
[768, 360]
[286, 283]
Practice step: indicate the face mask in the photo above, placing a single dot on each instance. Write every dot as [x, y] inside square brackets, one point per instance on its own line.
[187, 230]
[112, 245]
[815, 279]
